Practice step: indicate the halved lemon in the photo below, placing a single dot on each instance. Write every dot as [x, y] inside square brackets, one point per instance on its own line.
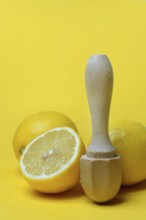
[50, 163]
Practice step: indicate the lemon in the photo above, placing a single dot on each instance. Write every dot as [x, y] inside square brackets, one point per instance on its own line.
[37, 124]
[50, 163]
[129, 139]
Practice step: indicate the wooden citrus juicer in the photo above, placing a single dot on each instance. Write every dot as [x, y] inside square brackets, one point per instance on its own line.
[100, 168]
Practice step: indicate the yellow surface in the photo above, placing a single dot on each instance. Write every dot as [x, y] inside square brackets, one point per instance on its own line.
[44, 47]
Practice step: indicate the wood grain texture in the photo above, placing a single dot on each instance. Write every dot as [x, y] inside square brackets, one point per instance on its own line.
[100, 167]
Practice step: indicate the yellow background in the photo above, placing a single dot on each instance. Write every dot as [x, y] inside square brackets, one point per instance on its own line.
[44, 47]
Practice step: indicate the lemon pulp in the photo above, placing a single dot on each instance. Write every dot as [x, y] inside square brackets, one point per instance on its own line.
[48, 156]
[50, 163]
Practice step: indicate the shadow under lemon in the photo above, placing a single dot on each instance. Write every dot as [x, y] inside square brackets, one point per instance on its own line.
[74, 192]
[77, 191]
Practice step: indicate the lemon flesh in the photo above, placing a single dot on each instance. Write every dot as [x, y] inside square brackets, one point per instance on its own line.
[129, 139]
[37, 124]
[50, 163]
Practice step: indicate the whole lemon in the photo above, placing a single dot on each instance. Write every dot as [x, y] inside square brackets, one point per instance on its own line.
[37, 124]
[129, 139]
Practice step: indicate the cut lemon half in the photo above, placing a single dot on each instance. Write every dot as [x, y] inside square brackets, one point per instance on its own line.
[50, 163]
